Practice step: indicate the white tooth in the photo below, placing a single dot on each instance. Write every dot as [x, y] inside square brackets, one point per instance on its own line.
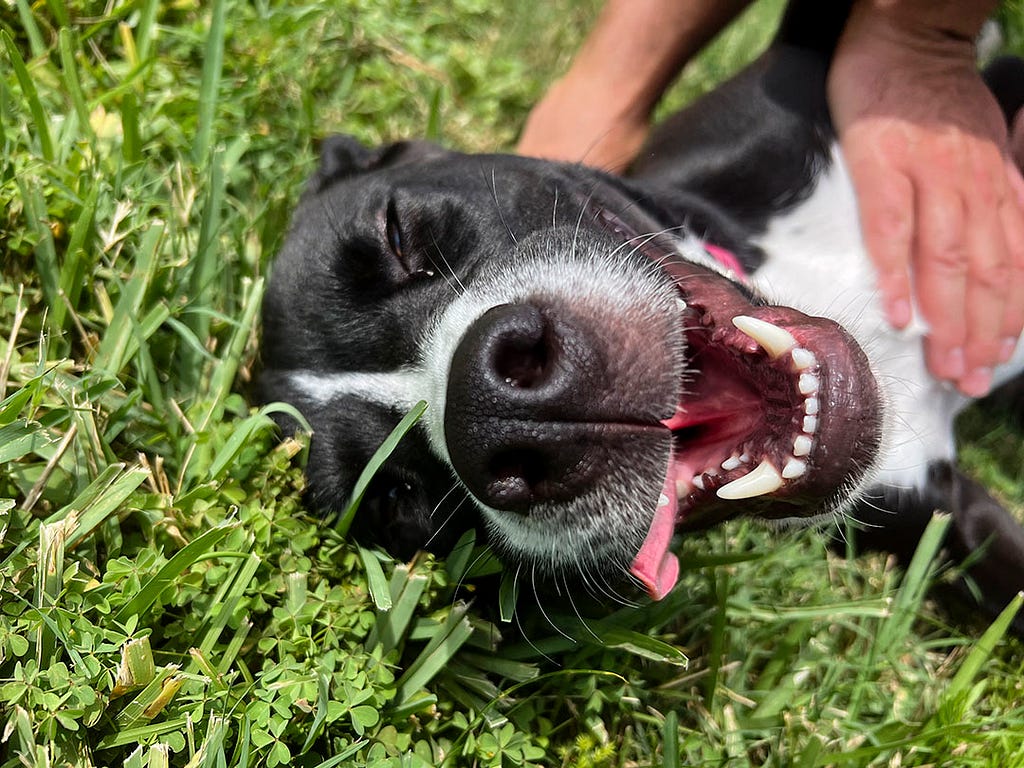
[744, 457]
[811, 406]
[764, 478]
[810, 424]
[808, 384]
[680, 304]
[662, 501]
[803, 359]
[698, 482]
[775, 340]
[802, 445]
[793, 469]
[731, 463]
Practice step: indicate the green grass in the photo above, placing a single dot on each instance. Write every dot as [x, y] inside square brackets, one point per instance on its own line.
[164, 597]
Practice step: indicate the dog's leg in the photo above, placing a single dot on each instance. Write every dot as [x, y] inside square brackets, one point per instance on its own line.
[981, 533]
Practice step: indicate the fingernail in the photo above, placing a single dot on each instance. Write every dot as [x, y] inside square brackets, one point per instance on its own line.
[1006, 349]
[899, 313]
[977, 383]
[955, 367]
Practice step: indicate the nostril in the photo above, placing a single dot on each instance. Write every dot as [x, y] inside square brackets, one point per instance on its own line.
[521, 361]
[515, 476]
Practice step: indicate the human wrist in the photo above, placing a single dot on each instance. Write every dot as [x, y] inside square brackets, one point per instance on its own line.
[925, 22]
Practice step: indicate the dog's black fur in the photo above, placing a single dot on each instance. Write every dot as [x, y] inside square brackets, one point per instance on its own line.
[413, 272]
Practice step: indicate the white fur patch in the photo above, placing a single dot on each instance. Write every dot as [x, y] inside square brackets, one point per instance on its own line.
[400, 389]
[817, 263]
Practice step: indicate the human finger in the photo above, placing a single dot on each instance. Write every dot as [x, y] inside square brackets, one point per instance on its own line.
[988, 282]
[885, 201]
[941, 265]
[1012, 217]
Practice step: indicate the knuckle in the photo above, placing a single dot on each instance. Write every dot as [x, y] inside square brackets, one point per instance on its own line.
[993, 279]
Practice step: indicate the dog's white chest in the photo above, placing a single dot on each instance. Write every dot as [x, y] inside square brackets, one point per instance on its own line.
[816, 262]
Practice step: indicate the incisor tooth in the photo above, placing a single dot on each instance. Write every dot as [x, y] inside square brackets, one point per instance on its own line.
[794, 468]
[776, 341]
[808, 384]
[803, 359]
[802, 445]
[764, 478]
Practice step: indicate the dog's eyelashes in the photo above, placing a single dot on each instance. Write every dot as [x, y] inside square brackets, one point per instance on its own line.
[398, 245]
[394, 232]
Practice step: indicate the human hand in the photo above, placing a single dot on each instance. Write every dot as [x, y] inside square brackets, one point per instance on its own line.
[941, 199]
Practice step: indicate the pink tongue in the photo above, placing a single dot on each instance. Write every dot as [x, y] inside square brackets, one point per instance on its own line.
[656, 567]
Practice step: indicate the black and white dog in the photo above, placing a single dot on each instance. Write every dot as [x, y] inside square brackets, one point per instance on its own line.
[609, 361]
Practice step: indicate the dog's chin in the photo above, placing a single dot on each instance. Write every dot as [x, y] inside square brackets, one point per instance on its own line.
[779, 416]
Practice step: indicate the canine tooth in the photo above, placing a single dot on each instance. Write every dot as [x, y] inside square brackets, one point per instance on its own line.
[698, 482]
[731, 463]
[802, 445]
[764, 478]
[744, 457]
[808, 384]
[803, 359]
[810, 424]
[811, 406]
[680, 304]
[662, 501]
[793, 469]
[776, 341]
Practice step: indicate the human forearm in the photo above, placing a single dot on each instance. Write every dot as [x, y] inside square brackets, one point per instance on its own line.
[637, 47]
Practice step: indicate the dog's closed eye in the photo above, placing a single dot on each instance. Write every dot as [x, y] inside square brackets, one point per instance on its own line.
[399, 245]
[393, 232]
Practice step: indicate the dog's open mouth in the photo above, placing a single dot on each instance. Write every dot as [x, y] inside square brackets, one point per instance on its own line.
[778, 416]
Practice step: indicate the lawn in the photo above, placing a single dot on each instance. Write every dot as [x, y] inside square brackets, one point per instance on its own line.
[165, 599]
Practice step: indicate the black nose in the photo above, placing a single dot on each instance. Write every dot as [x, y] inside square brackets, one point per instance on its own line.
[527, 411]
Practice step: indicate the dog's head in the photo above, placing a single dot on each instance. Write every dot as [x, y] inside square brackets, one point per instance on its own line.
[593, 378]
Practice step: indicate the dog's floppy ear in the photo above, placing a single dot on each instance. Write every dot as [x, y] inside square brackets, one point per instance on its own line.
[342, 156]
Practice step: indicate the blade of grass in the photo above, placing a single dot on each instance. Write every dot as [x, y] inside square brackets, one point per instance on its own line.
[145, 28]
[244, 573]
[46, 250]
[73, 270]
[28, 88]
[101, 498]
[508, 595]
[137, 708]
[131, 142]
[405, 590]
[982, 650]
[379, 457]
[72, 85]
[205, 267]
[223, 377]
[142, 733]
[670, 741]
[450, 636]
[243, 435]
[60, 13]
[114, 348]
[31, 29]
[22, 438]
[180, 562]
[913, 587]
[210, 83]
[376, 582]
[49, 581]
